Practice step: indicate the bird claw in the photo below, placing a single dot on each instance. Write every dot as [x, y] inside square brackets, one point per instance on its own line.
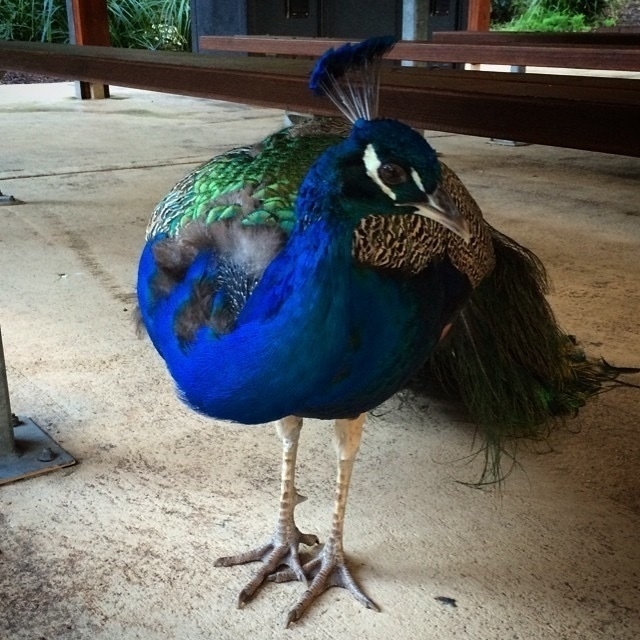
[327, 570]
[280, 551]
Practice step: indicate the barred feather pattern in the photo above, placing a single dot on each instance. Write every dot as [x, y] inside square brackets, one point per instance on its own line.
[476, 258]
[403, 242]
[411, 242]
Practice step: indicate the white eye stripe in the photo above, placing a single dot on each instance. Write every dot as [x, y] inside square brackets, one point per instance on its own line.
[417, 180]
[372, 164]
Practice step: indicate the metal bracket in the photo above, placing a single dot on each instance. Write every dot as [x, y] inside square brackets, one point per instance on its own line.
[35, 453]
[5, 200]
[25, 449]
[508, 143]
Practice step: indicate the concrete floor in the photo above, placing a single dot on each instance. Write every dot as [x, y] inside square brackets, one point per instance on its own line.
[121, 545]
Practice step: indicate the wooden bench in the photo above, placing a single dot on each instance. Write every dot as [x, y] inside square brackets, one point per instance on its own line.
[608, 50]
[597, 114]
[601, 51]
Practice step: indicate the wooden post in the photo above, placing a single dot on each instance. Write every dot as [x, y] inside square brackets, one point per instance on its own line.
[89, 24]
[479, 15]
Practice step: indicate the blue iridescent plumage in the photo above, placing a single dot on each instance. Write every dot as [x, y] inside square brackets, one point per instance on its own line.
[356, 58]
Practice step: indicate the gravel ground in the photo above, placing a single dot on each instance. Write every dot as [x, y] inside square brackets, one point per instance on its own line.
[18, 77]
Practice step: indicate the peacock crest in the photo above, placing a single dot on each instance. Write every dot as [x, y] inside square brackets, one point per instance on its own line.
[350, 77]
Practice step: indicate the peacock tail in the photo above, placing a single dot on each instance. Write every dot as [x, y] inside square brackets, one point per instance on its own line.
[506, 357]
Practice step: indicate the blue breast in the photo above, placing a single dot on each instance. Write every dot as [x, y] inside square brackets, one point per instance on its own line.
[320, 336]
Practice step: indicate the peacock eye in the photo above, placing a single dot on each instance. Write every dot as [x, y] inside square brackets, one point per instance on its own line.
[392, 174]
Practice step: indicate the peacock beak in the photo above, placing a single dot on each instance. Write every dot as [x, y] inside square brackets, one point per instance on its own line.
[440, 208]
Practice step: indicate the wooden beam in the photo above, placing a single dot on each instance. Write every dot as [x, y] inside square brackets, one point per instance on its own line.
[89, 25]
[479, 15]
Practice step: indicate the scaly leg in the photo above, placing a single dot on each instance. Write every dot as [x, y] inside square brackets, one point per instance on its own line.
[329, 569]
[282, 549]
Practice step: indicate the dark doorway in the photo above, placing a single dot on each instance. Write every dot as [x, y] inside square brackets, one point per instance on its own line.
[444, 15]
[324, 18]
[348, 19]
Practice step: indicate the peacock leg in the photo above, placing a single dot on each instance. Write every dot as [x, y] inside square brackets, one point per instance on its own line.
[329, 569]
[282, 549]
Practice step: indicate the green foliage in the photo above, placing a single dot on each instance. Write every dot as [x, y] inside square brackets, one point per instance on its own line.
[503, 10]
[541, 19]
[150, 24]
[142, 24]
[553, 15]
[38, 21]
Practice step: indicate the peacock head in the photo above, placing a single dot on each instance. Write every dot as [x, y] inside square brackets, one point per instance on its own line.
[383, 168]
[400, 173]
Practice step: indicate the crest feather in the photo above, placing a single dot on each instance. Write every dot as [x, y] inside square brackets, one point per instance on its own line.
[350, 76]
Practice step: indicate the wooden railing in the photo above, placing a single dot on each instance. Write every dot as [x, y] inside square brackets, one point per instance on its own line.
[598, 114]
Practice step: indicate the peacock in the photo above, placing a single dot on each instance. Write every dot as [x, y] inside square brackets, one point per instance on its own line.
[320, 271]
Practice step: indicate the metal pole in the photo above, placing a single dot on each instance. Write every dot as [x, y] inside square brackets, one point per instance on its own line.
[7, 441]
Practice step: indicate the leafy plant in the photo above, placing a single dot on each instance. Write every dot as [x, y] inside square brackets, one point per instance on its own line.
[150, 24]
[555, 15]
[503, 10]
[143, 24]
[43, 21]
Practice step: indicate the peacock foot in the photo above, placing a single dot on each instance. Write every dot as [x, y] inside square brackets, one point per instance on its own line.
[281, 551]
[329, 569]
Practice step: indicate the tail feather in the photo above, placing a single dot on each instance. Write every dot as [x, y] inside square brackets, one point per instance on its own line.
[515, 369]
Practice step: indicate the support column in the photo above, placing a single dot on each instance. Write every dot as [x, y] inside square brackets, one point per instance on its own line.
[414, 20]
[219, 18]
[89, 24]
[479, 15]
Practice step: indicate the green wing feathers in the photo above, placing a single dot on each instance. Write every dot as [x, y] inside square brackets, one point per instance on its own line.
[258, 183]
